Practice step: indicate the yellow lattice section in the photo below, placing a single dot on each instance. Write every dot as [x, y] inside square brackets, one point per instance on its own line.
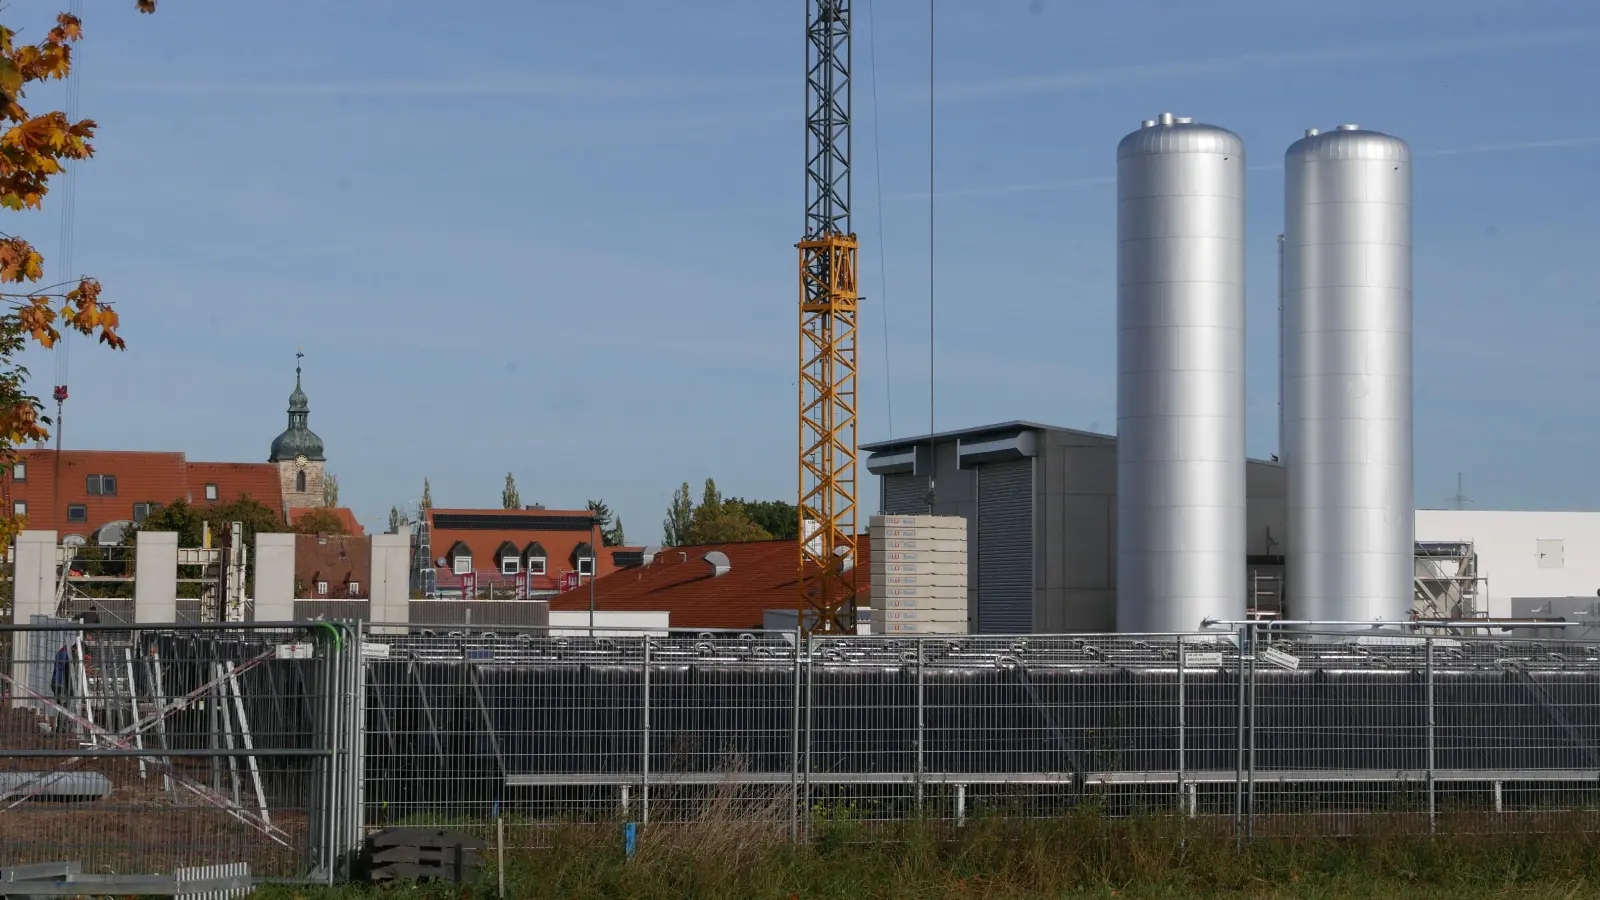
[828, 563]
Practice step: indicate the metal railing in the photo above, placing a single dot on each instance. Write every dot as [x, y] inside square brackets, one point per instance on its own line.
[148, 750]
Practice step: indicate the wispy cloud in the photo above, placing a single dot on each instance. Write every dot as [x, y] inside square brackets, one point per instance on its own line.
[569, 86]
[1219, 65]
[1556, 144]
[1071, 184]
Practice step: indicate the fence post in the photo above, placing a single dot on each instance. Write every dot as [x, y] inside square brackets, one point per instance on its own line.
[1433, 811]
[794, 745]
[805, 772]
[1183, 662]
[1238, 747]
[644, 754]
[1250, 796]
[921, 763]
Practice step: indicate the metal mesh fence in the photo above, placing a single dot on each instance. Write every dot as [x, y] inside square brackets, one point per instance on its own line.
[150, 750]
[1301, 727]
[144, 749]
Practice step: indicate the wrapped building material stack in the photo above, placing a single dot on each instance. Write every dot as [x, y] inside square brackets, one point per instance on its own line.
[919, 574]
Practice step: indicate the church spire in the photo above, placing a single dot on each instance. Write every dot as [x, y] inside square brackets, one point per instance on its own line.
[297, 440]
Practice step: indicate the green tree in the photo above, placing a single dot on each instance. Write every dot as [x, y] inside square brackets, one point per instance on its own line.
[776, 517]
[190, 523]
[614, 536]
[33, 149]
[427, 495]
[680, 518]
[604, 521]
[320, 521]
[330, 489]
[509, 498]
[719, 521]
[395, 519]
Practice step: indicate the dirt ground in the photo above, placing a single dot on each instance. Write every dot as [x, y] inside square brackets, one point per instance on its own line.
[140, 828]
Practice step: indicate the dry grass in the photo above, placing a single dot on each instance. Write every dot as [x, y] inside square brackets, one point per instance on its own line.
[741, 852]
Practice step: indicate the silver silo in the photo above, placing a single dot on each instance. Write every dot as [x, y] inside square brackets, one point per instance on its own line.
[1347, 374]
[1180, 376]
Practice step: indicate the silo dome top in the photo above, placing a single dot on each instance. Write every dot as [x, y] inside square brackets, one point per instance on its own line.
[1179, 134]
[1348, 142]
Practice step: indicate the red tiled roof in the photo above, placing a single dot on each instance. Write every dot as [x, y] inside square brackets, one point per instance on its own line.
[141, 477]
[346, 517]
[258, 481]
[342, 562]
[680, 582]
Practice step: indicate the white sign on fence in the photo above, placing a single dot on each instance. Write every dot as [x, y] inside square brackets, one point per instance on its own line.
[296, 651]
[1202, 661]
[374, 651]
[1280, 659]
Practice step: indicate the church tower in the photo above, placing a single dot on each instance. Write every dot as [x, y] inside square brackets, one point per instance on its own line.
[298, 452]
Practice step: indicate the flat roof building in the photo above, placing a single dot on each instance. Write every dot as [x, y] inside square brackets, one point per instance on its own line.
[1040, 505]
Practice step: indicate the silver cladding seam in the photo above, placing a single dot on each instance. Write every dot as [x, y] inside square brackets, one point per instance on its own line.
[1180, 376]
[1347, 361]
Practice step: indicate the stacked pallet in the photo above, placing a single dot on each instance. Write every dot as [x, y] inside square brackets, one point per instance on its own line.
[919, 574]
[421, 854]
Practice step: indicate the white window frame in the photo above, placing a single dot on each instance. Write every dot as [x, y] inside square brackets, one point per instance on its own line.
[510, 565]
[212, 493]
[19, 507]
[355, 588]
[537, 565]
[19, 471]
[585, 566]
[462, 565]
[322, 589]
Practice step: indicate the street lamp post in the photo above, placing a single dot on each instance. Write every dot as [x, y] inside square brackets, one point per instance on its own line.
[594, 568]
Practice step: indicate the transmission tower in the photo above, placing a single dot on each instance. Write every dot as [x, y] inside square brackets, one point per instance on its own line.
[828, 299]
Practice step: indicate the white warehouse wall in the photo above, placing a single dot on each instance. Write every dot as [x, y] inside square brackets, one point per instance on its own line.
[1509, 545]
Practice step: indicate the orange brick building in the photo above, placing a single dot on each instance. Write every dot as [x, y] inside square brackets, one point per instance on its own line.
[499, 546]
[101, 487]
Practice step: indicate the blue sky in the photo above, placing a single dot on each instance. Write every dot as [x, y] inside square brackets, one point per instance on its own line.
[556, 238]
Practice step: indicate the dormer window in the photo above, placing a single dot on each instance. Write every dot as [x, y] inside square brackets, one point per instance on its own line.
[459, 559]
[534, 559]
[583, 559]
[509, 559]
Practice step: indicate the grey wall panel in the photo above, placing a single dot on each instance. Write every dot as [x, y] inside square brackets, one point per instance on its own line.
[1086, 545]
[1066, 611]
[1266, 510]
[1005, 547]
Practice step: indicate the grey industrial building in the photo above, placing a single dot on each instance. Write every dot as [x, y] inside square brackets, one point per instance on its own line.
[1041, 505]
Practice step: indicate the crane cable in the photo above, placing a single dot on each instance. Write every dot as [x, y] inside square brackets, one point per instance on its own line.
[69, 217]
[877, 181]
[930, 262]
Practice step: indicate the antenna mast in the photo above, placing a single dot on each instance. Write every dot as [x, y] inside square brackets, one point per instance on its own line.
[828, 298]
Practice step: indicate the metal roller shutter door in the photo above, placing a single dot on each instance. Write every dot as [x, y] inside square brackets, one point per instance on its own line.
[1005, 547]
[905, 495]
